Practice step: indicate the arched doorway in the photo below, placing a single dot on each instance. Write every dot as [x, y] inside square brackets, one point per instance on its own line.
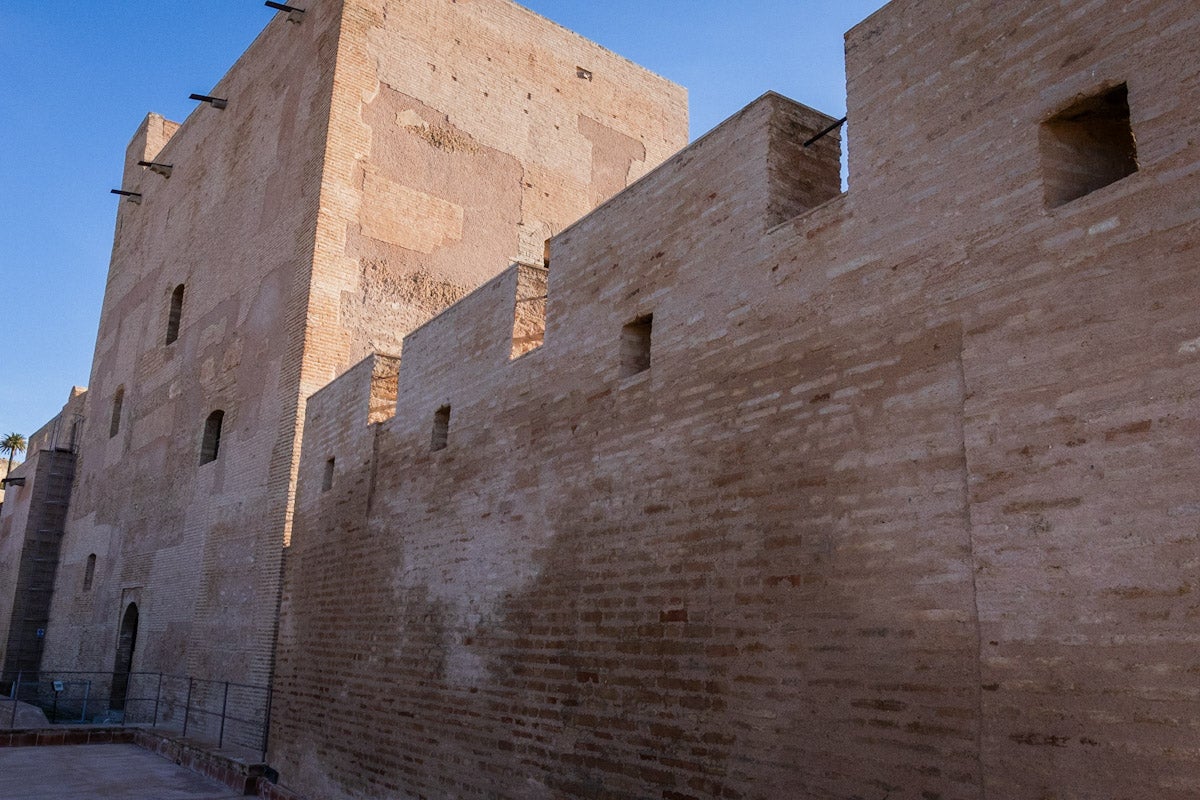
[123, 663]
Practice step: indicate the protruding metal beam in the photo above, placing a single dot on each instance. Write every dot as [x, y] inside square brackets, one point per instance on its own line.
[155, 166]
[827, 131]
[294, 14]
[133, 197]
[215, 102]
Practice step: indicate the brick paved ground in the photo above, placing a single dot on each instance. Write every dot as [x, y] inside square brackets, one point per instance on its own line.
[100, 772]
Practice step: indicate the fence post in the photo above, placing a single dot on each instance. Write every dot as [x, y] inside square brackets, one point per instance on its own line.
[187, 707]
[224, 705]
[16, 699]
[157, 696]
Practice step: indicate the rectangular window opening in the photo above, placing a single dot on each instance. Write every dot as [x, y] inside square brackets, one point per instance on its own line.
[327, 478]
[441, 429]
[1087, 146]
[635, 346]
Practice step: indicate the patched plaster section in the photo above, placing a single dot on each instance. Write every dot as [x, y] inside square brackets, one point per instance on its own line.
[443, 137]
[403, 216]
[406, 298]
[613, 157]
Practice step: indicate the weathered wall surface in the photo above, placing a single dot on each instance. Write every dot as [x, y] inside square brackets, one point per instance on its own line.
[461, 138]
[903, 506]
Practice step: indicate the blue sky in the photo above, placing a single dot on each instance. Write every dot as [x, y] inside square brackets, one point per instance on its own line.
[79, 77]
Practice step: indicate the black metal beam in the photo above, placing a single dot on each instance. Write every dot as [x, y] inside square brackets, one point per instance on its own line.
[215, 102]
[827, 131]
[283, 7]
[156, 166]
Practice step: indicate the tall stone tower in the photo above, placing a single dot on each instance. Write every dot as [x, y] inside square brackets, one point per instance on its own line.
[364, 164]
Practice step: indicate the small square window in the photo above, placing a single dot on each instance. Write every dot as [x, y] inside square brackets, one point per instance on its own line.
[1087, 146]
[635, 346]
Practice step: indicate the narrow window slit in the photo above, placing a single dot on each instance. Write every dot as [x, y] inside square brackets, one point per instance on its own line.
[441, 429]
[114, 423]
[635, 346]
[175, 314]
[210, 446]
[89, 572]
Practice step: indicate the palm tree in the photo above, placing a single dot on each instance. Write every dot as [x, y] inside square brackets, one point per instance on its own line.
[12, 444]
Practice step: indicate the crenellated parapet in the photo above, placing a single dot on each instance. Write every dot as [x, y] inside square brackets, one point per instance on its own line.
[630, 259]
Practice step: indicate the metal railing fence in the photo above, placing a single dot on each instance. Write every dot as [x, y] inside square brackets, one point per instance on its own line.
[224, 713]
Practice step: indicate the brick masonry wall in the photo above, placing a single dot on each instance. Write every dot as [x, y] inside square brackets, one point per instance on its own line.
[1080, 417]
[904, 505]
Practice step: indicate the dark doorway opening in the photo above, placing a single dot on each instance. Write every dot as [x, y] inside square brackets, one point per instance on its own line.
[123, 663]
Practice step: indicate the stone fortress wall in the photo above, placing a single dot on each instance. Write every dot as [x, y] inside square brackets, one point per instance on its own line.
[760, 490]
[375, 161]
[886, 493]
